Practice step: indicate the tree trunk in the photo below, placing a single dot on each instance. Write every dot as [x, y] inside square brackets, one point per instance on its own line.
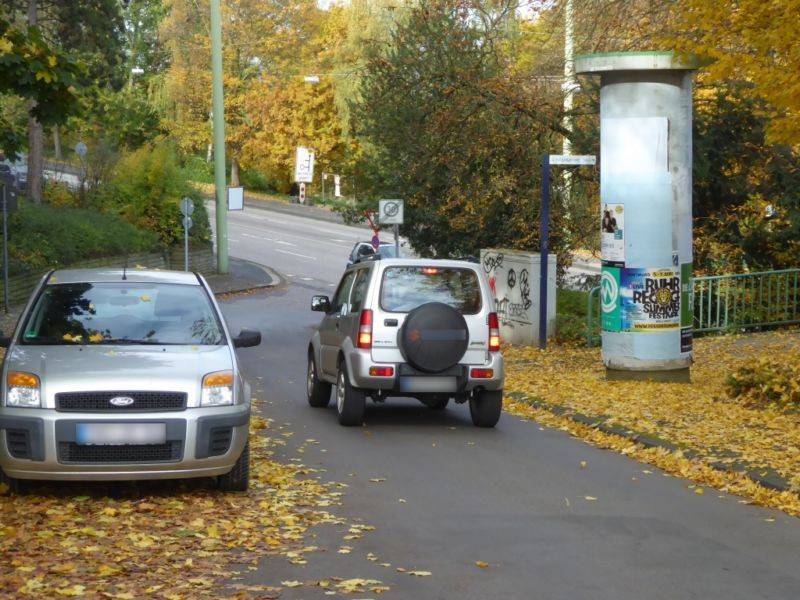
[35, 143]
[57, 142]
[234, 172]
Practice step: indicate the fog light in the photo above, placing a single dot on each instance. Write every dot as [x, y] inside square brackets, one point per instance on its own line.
[481, 373]
[381, 371]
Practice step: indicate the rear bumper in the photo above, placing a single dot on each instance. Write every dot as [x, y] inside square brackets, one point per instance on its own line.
[406, 380]
[42, 444]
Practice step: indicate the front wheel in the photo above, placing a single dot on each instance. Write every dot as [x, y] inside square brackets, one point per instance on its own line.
[238, 479]
[485, 407]
[319, 392]
[350, 401]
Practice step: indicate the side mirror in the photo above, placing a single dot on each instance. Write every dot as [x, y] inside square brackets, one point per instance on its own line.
[321, 304]
[247, 338]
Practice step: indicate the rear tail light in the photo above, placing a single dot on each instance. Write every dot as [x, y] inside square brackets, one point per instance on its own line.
[481, 373]
[494, 333]
[381, 371]
[365, 330]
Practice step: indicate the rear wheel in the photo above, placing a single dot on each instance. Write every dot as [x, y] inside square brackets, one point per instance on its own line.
[319, 392]
[350, 401]
[485, 407]
[238, 479]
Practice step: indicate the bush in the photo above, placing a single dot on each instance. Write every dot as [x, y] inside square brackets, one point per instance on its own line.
[767, 379]
[42, 236]
[571, 316]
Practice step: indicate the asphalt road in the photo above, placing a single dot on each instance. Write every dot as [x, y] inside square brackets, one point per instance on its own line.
[551, 516]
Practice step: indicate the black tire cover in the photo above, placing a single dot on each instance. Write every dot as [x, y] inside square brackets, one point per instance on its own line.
[433, 337]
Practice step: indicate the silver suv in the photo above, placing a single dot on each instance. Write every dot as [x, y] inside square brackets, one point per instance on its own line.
[418, 328]
[123, 375]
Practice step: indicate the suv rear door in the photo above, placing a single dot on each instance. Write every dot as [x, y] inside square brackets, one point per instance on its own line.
[343, 319]
[405, 287]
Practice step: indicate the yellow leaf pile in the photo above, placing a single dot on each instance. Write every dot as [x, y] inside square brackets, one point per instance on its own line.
[700, 418]
[176, 539]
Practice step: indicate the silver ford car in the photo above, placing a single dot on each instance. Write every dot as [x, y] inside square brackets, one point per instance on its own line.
[123, 375]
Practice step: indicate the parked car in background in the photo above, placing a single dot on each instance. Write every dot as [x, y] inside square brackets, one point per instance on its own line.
[362, 249]
[406, 327]
[19, 170]
[120, 374]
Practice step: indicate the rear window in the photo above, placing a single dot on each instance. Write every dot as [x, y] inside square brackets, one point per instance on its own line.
[405, 288]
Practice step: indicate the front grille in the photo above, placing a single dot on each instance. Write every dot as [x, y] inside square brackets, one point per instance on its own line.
[70, 452]
[18, 443]
[99, 401]
[220, 441]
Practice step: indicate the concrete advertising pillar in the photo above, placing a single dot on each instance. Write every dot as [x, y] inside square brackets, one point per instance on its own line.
[645, 212]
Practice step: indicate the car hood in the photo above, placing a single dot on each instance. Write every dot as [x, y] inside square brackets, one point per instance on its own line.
[120, 368]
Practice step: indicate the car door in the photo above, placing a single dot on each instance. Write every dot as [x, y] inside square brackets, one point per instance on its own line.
[330, 327]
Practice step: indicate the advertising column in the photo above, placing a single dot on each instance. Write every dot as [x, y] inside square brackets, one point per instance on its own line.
[645, 216]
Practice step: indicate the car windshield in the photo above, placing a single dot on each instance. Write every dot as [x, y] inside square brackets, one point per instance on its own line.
[122, 313]
[405, 288]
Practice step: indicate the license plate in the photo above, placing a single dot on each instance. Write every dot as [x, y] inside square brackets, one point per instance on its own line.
[428, 384]
[117, 434]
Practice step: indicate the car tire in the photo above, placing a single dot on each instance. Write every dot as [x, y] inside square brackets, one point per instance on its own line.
[485, 407]
[319, 392]
[238, 478]
[14, 485]
[350, 401]
[434, 337]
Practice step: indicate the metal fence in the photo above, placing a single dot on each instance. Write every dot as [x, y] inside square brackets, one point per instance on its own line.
[729, 302]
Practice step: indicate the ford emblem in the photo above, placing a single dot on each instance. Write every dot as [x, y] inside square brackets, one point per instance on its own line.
[121, 401]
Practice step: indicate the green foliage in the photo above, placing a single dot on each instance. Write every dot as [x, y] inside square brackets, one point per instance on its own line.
[42, 236]
[571, 316]
[767, 379]
[198, 169]
[746, 191]
[147, 187]
[30, 68]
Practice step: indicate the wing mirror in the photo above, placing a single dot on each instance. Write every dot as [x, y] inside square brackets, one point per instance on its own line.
[321, 304]
[247, 338]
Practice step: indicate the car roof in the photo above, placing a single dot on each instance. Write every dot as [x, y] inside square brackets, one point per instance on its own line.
[419, 262]
[134, 275]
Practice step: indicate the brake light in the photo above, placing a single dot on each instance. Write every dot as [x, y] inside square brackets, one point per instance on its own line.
[429, 270]
[381, 371]
[365, 330]
[494, 333]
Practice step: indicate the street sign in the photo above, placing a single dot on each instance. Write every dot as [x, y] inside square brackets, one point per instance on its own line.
[187, 207]
[187, 222]
[376, 242]
[302, 194]
[81, 149]
[390, 212]
[304, 165]
[569, 159]
[235, 198]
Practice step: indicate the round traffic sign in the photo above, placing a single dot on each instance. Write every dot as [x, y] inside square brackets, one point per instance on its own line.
[390, 209]
[187, 207]
[376, 242]
[187, 222]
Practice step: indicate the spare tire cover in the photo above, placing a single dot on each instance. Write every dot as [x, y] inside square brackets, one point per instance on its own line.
[434, 337]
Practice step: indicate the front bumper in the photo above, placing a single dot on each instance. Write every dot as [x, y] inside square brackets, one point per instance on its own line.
[408, 381]
[43, 444]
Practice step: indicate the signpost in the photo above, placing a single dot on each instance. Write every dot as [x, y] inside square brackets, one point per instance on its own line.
[544, 241]
[187, 208]
[304, 165]
[390, 212]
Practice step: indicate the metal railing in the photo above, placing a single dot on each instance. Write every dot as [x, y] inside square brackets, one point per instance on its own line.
[730, 302]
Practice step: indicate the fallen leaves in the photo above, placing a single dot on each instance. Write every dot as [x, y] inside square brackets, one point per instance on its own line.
[708, 425]
[177, 540]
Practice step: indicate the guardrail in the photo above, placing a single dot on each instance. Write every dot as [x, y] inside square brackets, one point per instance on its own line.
[730, 302]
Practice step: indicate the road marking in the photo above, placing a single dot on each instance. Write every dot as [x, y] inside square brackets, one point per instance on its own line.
[295, 254]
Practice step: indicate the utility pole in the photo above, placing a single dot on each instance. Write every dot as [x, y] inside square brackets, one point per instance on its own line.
[218, 116]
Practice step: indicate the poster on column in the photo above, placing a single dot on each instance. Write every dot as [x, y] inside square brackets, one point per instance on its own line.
[612, 234]
[650, 299]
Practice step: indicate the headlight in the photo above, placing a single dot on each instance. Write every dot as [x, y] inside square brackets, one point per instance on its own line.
[23, 390]
[217, 389]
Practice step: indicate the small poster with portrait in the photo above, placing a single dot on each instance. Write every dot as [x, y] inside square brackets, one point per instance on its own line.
[612, 234]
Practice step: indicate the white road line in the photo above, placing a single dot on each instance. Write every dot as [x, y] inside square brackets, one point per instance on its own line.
[295, 254]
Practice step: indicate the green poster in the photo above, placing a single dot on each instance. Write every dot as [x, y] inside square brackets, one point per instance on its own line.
[610, 299]
[687, 310]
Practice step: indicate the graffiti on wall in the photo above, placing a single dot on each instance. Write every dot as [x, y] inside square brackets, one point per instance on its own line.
[511, 289]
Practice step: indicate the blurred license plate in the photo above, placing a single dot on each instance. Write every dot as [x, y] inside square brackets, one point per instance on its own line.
[120, 433]
[428, 384]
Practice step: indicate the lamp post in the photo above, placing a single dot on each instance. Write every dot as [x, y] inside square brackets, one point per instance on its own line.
[218, 112]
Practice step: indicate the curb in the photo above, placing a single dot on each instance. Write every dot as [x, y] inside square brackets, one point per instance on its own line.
[766, 477]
